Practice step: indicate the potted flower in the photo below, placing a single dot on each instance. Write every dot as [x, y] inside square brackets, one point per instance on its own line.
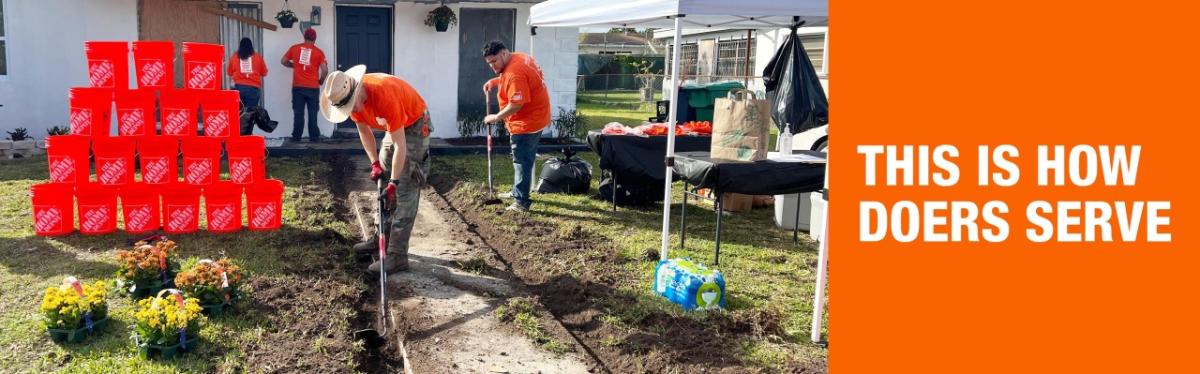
[286, 18]
[73, 310]
[214, 283]
[441, 18]
[146, 268]
[165, 326]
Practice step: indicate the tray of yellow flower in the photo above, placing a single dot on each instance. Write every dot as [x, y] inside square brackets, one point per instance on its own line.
[73, 311]
[167, 326]
[147, 267]
[214, 283]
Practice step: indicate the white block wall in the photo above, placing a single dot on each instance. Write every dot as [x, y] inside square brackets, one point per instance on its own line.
[46, 57]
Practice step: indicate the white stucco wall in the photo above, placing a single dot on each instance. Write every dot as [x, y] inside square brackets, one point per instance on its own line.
[46, 56]
[425, 58]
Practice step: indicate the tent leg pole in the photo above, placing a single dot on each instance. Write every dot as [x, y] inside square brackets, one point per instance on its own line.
[683, 216]
[670, 156]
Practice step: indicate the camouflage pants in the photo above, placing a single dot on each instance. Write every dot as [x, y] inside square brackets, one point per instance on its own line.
[412, 178]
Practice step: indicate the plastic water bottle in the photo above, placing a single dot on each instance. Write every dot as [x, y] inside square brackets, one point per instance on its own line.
[785, 140]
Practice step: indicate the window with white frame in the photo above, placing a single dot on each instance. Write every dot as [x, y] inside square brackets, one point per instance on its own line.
[3, 43]
[687, 59]
[814, 46]
[735, 58]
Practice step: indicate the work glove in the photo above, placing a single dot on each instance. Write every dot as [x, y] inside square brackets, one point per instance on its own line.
[376, 171]
[389, 195]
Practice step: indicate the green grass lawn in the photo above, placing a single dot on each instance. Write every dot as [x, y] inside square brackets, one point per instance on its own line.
[766, 273]
[232, 343]
[616, 106]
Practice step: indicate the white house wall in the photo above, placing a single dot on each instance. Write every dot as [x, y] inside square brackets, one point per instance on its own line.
[46, 56]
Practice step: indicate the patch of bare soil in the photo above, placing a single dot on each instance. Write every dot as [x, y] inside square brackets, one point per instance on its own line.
[577, 275]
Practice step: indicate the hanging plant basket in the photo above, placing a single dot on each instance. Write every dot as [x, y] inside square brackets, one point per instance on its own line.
[441, 18]
[286, 17]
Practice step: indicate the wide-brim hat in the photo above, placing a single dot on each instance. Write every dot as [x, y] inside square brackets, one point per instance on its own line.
[341, 92]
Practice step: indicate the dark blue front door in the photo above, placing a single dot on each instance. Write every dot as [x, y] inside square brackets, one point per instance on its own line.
[364, 36]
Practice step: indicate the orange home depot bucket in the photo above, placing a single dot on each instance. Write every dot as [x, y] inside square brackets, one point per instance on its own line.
[179, 113]
[114, 160]
[159, 157]
[202, 65]
[53, 209]
[223, 207]
[181, 208]
[219, 110]
[154, 64]
[264, 203]
[140, 207]
[108, 64]
[91, 110]
[201, 160]
[67, 156]
[247, 156]
[97, 208]
[135, 112]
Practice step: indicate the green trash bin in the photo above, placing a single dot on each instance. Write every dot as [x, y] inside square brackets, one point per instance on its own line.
[702, 97]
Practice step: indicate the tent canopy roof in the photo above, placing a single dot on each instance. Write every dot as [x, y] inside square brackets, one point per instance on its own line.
[694, 14]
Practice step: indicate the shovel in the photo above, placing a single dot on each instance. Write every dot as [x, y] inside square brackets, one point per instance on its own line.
[487, 110]
[378, 338]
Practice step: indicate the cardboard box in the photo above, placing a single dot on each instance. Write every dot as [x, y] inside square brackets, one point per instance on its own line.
[731, 202]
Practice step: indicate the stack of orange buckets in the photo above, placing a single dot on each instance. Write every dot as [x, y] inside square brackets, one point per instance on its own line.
[158, 171]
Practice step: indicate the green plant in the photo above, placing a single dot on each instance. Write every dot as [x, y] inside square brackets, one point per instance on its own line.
[469, 124]
[19, 134]
[442, 14]
[63, 308]
[58, 130]
[286, 15]
[569, 123]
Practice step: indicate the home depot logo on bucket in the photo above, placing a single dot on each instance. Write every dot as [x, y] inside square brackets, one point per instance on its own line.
[201, 75]
[138, 218]
[47, 219]
[81, 121]
[240, 170]
[221, 218]
[263, 215]
[153, 72]
[62, 169]
[111, 170]
[131, 122]
[216, 122]
[198, 170]
[100, 73]
[182, 217]
[176, 121]
[93, 217]
[154, 171]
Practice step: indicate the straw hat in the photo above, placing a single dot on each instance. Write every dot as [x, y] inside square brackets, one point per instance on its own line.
[341, 92]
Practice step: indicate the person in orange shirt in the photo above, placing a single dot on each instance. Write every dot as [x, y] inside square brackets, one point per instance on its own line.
[384, 102]
[525, 110]
[247, 70]
[308, 71]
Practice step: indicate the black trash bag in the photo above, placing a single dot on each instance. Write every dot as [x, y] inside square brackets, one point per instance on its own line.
[566, 174]
[793, 88]
[630, 192]
[256, 116]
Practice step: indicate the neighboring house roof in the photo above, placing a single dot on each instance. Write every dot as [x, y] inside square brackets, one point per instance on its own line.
[612, 39]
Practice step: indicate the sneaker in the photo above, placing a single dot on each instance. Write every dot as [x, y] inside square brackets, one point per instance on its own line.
[517, 207]
[505, 195]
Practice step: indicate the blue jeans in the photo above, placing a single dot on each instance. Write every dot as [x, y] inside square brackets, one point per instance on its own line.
[304, 101]
[524, 150]
[249, 95]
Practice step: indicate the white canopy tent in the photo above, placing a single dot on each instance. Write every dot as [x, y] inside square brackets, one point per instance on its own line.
[689, 14]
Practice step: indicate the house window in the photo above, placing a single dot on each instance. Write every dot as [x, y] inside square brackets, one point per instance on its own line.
[814, 46]
[733, 57]
[3, 43]
[687, 58]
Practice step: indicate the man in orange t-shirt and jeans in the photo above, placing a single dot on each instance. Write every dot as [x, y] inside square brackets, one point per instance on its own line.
[308, 71]
[383, 102]
[525, 110]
